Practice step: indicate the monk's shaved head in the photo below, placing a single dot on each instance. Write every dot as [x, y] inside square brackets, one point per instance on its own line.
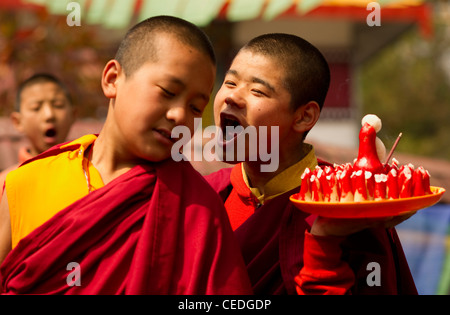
[140, 43]
[307, 75]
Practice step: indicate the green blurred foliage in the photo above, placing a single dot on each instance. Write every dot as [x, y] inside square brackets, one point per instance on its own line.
[408, 86]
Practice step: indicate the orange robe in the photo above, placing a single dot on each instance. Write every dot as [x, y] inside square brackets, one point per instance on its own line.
[30, 204]
[23, 155]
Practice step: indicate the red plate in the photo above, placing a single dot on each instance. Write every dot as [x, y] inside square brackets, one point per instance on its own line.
[369, 209]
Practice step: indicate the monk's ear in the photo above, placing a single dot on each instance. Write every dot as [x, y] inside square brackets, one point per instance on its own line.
[110, 77]
[306, 117]
[16, 119]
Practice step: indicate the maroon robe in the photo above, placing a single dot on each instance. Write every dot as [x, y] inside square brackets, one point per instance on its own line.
[272, 241]
[157, 229]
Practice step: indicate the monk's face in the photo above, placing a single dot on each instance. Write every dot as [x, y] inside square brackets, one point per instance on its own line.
[45, 116]
[252, 94]
[159, 96]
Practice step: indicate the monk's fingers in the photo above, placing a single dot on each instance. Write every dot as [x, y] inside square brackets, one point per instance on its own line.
[340, 227]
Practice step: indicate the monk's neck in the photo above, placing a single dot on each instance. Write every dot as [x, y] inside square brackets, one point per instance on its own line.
[258, 179]
[107, 160]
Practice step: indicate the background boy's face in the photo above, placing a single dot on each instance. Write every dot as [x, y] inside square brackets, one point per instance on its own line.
[160, 96]
[45, 116]
[252, 94]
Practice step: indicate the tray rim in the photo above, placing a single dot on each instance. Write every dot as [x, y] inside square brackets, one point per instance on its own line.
[361, 206]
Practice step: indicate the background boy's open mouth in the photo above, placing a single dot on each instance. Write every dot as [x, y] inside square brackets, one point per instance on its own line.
[50, 135]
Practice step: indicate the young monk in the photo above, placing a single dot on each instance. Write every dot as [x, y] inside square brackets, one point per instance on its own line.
[43, 113]
[114, 214]
[282, 80]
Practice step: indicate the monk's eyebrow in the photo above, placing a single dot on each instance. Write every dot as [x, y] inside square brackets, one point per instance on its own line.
[254, 80]
[176, 80]
[232, 72]
[179, 82]
[262, 82]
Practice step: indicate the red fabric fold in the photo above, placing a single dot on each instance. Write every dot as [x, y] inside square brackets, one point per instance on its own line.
[154, 230]
[242, 202]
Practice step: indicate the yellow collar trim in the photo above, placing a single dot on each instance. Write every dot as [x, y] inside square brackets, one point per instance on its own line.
[286, 180]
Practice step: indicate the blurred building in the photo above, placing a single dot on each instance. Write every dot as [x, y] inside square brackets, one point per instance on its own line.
[343, 30]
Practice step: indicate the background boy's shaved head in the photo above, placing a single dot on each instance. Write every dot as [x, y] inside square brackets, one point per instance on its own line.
[37, 79]
[307, 72]
[139, 44]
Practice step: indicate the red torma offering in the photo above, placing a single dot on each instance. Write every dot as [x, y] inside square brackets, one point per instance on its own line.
[367, 179]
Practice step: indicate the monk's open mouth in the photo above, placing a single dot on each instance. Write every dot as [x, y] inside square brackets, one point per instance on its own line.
[50, 136]
[231, 126]
[50, 133]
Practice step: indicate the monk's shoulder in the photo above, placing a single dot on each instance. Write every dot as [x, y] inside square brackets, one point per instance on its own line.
[199, 188]
[34, 170]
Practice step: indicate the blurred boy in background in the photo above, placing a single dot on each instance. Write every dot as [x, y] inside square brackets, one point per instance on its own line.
[43, 113]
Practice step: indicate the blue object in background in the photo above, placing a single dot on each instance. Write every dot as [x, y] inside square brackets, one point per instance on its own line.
[425, 239]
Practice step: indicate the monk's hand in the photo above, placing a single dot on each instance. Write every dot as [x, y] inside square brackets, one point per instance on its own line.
[323, 226]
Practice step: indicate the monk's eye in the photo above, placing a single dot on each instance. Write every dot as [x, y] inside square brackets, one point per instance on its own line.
[167, 93]
[196, 110]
